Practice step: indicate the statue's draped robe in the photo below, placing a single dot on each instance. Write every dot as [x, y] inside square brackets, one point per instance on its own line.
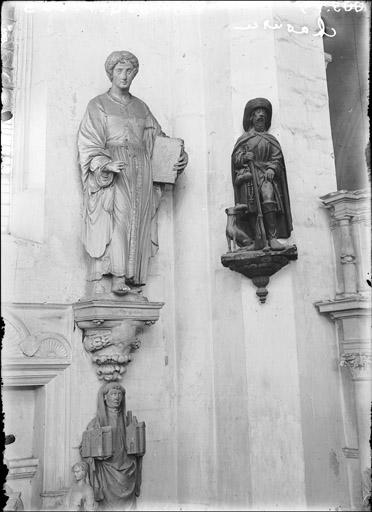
[115, 481]
[267, 155]
[118, 209]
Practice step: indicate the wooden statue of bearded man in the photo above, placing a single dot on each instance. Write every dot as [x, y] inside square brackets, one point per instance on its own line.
[259, 178]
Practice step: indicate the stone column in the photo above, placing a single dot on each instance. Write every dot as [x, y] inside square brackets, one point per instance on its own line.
[351, 311]
[359, 364]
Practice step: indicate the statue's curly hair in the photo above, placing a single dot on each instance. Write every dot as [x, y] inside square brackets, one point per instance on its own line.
[81, 464]
[120, 56]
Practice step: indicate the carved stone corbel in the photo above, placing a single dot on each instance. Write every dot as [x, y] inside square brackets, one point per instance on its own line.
[111, 331]
[259, 265]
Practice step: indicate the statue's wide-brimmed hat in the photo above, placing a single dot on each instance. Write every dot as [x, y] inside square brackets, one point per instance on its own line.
[251, 106]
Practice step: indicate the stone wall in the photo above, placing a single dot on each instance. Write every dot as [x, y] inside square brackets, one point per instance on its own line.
[241, 400]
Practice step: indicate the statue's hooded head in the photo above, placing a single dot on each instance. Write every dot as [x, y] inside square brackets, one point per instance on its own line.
[253, 105]
[120, 56]
[102, 405]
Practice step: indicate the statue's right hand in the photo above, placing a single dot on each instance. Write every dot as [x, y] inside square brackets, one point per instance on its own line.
[248, 157]
[116, 167]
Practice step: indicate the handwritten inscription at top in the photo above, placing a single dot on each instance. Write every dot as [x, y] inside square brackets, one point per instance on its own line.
[336, 6]
[290, 28]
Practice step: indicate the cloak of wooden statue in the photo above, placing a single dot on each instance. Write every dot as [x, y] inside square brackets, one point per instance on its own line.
[262, 208]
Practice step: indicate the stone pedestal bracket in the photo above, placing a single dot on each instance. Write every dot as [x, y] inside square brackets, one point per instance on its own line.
[112, 330]
[259, 265]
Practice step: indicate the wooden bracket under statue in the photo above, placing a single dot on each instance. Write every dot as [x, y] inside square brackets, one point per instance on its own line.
[111, 331]
[259, 265]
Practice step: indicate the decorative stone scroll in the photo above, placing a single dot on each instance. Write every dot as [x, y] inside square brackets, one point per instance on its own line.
[262, 214]
[358, 363]
[112, 330]
[31, 358]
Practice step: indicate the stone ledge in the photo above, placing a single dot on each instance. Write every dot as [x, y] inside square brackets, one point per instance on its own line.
[112, 328]
[22, 468]
[347, 306]
[99, 312]
[259, 265]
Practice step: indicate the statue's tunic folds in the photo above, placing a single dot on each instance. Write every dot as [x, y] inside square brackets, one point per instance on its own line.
[118, 208]
[267, 155]
[115, 479]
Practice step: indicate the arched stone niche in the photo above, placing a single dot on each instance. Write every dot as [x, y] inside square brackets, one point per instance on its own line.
[35, 397]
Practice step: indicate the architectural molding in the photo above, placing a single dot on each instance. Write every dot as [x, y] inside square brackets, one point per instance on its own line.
[350, 225]
[31, 359]
[350, 453]
[22, 468]
[53, 500]
[347, 203]
[357, 305]
[35, 372]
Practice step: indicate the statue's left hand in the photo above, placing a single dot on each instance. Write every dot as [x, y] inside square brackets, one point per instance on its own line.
[182, 162]
[269, 175]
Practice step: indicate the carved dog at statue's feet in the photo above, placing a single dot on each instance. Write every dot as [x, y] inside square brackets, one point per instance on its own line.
[233, 232]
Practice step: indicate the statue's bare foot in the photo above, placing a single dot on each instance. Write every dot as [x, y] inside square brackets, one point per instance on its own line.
[119, 287]
[275, 245]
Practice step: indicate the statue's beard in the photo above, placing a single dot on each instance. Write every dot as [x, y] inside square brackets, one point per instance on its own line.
[259, 125]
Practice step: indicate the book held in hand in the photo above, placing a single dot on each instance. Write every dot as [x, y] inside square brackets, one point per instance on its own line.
[165, 155]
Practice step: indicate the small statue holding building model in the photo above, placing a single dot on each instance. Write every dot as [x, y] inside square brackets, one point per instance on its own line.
[113, 446]
[262, 207]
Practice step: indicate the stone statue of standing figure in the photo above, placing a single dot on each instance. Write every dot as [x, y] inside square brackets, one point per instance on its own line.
[262, 207]
[115, 142]
[80, 496]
